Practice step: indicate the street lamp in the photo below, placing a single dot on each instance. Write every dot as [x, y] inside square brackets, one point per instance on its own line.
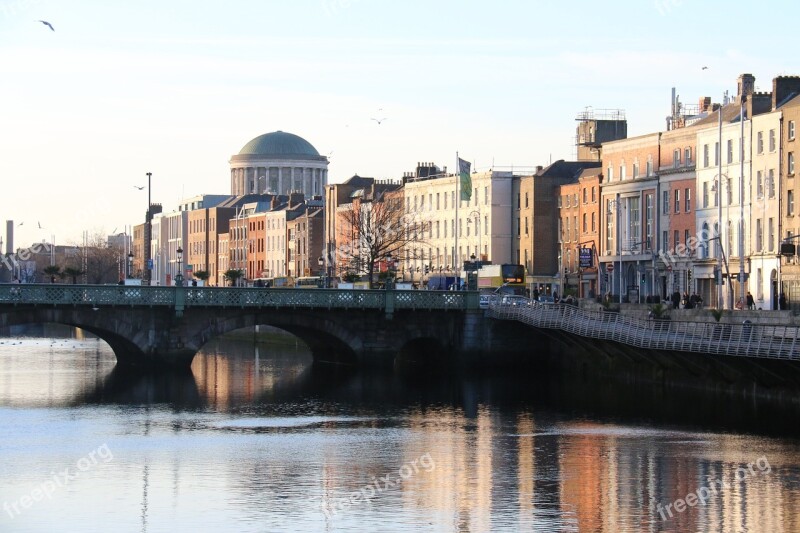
[615, 205]
[321, 263]
[130, 265]
[179, 276]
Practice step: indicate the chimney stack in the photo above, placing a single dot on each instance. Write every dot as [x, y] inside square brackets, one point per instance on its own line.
[746, 86]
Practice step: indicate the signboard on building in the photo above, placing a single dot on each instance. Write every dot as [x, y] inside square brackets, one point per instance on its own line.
[585, 257]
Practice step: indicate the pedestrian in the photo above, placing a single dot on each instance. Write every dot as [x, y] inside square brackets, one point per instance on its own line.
[750, 303]
[676, 299]
[782, 303]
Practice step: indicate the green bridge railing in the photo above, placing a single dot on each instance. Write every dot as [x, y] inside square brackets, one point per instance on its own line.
[180, 298]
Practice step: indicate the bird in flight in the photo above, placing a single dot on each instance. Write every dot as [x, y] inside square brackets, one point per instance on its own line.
[40, 225]
[379, 120]
[704, 68]
[47, 24]
[21, 223]
[137, 187]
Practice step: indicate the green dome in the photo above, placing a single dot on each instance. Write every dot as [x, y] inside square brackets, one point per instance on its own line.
[280, 144]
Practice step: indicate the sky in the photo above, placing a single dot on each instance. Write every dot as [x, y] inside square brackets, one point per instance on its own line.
[177, 87]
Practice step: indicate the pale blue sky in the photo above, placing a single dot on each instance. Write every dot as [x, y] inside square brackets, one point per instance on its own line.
[177, 87]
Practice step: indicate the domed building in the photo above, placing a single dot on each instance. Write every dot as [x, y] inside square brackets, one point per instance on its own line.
[278, 163]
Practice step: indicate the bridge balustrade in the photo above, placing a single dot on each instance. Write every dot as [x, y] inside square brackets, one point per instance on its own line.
[751, 340]
[185, 297]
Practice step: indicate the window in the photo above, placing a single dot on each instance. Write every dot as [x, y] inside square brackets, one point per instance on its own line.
[665, 202]
[705, 155]
[526, 226]
[445, 201]
[518, 198]
[585, 223]
[622, 171]
[760, 142]
[594, 199]
[771, 235]
[677, 236]
[791, 130]
[686, 240]
[730, 150]
[759, 236]
[486, 196]
[704, 243]
[729, 184]
[566, 229]
[677, 201]
[609, 226]
[526, 199]
[688, 157]
[687, 198]
[705, 194]
[635, 219]
[593, 222]
[610, 173]
[716, 154]
[771, 140]
[575, 227]
[649, 165]
[558, 201]
[676, 158]
[759, 185]
[790, 202]
[648, 217]
[635, 170]
[486, 225]
[665, 240]
[566, 200]
[790, 163]
[771, 179]
[585, 195]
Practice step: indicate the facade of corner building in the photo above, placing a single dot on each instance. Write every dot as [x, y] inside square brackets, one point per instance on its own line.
[629, 196]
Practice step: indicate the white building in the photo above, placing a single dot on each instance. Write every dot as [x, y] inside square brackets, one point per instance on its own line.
[482, 227]
[278, 163]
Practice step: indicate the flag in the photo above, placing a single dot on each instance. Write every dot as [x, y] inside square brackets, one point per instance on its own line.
[466, 180]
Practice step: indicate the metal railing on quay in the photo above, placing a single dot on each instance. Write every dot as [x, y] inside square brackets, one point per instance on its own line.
[752, 340]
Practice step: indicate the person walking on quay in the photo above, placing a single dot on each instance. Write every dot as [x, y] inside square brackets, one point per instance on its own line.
[783, 305]
[750, 302]
[676, 299]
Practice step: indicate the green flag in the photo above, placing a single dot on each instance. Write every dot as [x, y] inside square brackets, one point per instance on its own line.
[466, 180]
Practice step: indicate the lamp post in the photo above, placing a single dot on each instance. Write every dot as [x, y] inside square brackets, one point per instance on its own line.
[477, 217]
[321, 263]
[130, 265]
[179, 276]
[615, 205]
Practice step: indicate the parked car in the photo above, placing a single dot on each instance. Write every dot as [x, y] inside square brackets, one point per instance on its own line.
[547, 300]
[516, 301]
[486, 300]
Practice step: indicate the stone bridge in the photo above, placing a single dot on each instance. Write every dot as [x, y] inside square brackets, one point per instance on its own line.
[166, 326]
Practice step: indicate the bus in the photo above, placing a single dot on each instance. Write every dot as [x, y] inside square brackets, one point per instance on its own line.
[308, 282]
[506, 279]
[271, 283]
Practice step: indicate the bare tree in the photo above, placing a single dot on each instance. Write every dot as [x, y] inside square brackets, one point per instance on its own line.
[100, 262]
[373, 229]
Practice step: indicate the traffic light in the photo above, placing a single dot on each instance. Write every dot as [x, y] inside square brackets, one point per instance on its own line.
[689, 275]
[644, 278]
[427, 268]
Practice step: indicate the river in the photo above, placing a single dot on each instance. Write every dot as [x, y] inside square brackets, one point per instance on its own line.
[257, 439]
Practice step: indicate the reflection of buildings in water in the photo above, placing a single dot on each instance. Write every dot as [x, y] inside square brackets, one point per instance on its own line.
[230, 371]
[526, 468]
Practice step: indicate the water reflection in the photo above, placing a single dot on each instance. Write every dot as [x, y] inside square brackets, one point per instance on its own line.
[255, 438]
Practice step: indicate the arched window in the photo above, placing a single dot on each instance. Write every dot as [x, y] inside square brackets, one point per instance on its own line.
[704, 242]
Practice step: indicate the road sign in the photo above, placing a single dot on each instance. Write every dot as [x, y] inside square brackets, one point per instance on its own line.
[610, 267]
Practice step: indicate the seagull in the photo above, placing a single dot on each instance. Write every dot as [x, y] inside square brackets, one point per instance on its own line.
[40, 225]
[379, 120]
[137, 187]
[21, 223]
[47, 24]
[704, 68]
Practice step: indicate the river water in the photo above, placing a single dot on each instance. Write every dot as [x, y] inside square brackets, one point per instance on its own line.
[256, 439]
